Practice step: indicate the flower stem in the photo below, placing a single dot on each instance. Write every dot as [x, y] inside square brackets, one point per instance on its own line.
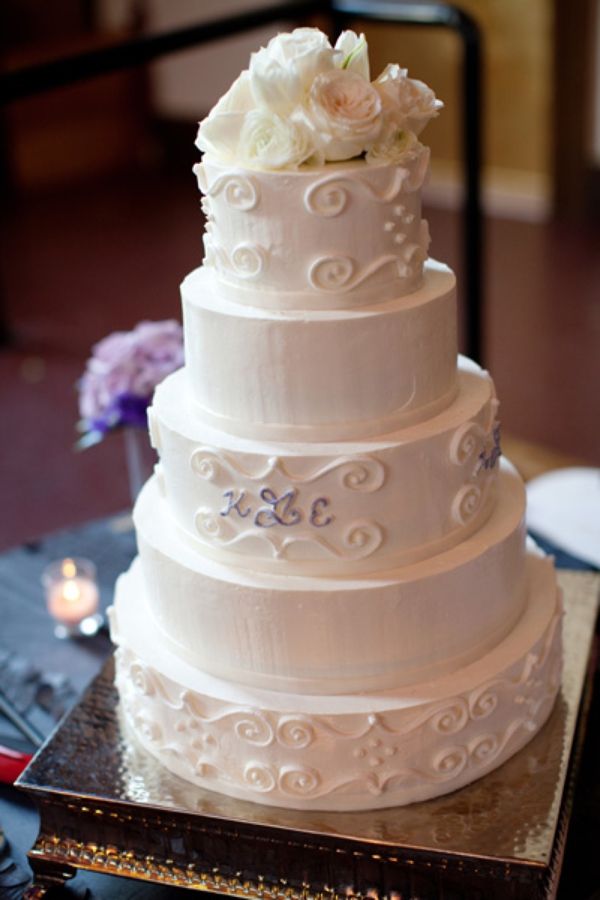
[135, 459]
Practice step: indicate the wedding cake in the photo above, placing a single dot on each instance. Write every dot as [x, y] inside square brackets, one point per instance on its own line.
[334, 606]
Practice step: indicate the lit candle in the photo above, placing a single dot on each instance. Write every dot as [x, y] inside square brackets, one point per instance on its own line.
[72, 594]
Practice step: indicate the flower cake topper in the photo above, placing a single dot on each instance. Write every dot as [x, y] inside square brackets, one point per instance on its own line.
[302, 101]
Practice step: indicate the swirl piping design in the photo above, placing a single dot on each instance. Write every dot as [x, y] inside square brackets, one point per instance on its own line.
[141, 679]
[450, 762]
[253, 728]
[261, 768]
[329, 196]
[248, 261]
[337, 273]
[210, 525]
[365, 474]
[466, 503]
[331, 273]
[259, 778]
[295, 732]
[484, 748]
[466, 442]
[482, 703]
[452, 719]
[360, 540]
[298, 782]
[240, 191]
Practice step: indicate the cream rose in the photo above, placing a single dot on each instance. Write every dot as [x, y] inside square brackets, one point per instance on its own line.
[307, 50]
[238, 98]
[345, 112]
[410, 104]
[396, 147]
[267, 141]
[275, 87]
[282, 72]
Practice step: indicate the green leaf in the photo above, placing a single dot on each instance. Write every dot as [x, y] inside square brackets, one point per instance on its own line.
[354, 53]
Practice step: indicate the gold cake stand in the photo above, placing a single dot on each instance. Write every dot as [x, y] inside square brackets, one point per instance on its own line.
[107, 806]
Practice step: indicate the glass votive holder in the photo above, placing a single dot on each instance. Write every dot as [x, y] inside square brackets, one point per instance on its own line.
[72, 597]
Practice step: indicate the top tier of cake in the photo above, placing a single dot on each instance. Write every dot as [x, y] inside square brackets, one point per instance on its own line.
[311, 176]
[327, 237]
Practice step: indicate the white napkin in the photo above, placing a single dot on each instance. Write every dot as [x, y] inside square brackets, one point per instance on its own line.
[564, 508]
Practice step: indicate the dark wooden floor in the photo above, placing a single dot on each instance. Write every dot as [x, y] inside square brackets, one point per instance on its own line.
[79, 263]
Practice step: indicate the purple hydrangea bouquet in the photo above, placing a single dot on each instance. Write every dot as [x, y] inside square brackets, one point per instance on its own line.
[121, 374]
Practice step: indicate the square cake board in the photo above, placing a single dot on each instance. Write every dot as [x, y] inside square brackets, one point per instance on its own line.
[107, 806]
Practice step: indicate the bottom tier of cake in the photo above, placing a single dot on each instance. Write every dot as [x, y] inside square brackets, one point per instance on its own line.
[348, 751]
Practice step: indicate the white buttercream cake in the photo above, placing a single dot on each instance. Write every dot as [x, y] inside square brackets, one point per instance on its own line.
[334, 604]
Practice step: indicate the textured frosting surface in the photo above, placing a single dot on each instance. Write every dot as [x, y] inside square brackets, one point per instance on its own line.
[359, 751]
[332, 606]
[310, 508]
[307, 252]
[335, 634]
[320, 374]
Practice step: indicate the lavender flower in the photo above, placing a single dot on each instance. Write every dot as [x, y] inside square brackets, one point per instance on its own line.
[121, 375]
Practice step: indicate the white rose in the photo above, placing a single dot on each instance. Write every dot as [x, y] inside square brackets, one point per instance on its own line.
[274, 86]
[282, 72]
[268, 141]
[355, 53]
[408, 103]
[345, 111]
[396, 146]
[238, 98]
[218, 134]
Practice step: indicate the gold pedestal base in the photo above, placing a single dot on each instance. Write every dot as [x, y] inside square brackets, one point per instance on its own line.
[107, 806]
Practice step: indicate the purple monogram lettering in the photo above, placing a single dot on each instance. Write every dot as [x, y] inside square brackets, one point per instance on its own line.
[317, 517]
[233, 503]
[487, 460]
[280, 510]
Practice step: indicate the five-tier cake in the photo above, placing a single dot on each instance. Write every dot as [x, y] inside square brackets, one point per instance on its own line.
[334, 606]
